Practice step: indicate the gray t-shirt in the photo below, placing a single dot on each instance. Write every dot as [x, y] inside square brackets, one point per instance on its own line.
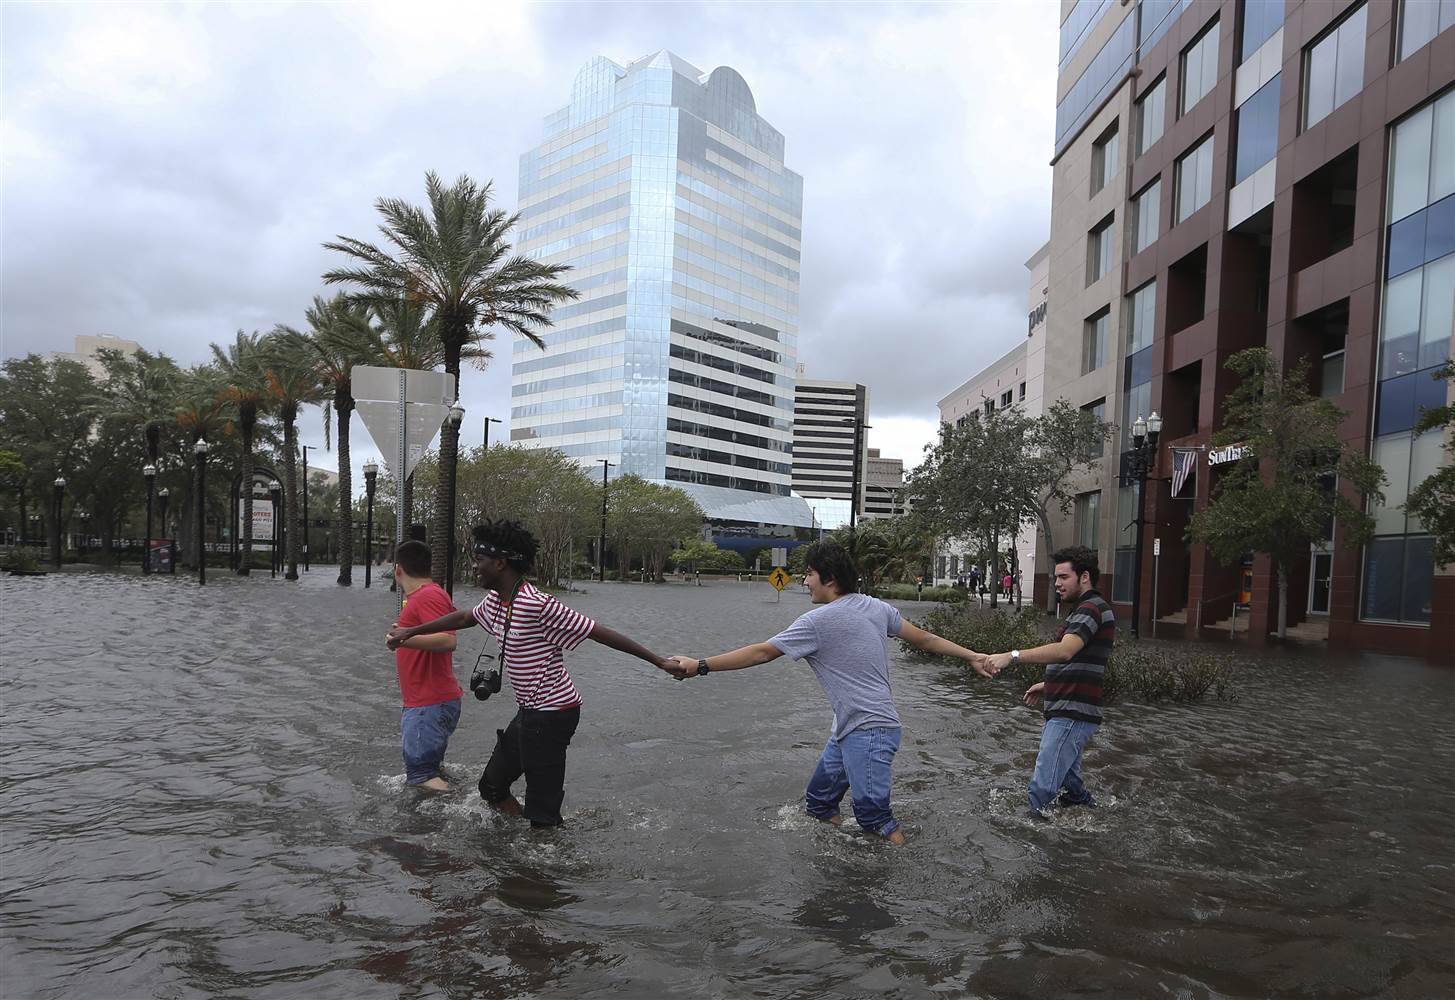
[846, 642]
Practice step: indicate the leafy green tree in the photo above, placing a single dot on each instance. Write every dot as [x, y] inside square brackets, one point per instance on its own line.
[1063, 439]
[292, 381]
[12, 484]
[1433, 501]
[1278, 498]
[981, 480]
[649, 520]
[454, 259]
[243, 368]
[41, 421]
[139, 390]
[700, 555]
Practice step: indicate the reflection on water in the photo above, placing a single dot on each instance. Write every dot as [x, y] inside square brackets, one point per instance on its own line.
[203, 796]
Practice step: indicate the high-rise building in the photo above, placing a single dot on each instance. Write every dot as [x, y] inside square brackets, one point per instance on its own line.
[89, 347]
[667, 193]
[884, 495]
[1237, 173]
[829, 454]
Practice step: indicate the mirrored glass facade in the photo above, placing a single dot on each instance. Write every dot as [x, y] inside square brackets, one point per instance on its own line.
[667, 194]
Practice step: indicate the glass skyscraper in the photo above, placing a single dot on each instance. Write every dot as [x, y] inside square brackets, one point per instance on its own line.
[667, 193]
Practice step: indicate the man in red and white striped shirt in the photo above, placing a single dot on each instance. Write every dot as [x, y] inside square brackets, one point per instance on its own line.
[534, 630]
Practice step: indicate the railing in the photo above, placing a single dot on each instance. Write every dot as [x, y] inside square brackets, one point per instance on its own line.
[1213, 600]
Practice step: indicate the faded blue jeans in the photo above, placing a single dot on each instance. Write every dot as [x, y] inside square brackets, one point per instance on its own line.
[1057, 778]
[859, 763]
[426, 733]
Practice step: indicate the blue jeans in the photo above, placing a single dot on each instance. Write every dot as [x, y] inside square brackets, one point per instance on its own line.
[1057, 779]
[426, 733]
[860, 763]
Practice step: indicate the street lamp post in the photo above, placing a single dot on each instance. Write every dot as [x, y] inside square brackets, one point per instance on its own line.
[856, 477]
[601, 542]
[371, 476]
[164, 495]
[275, 493]
[150, 472]
[201, 452]
[304, 539]
[1142, 460]
[457, 414]
[59, 487]
[85, 532]
[488, 422]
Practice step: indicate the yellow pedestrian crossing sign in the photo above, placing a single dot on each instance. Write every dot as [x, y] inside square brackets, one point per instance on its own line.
[779, 578]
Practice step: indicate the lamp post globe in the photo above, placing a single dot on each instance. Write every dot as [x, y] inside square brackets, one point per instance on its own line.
[200, 451]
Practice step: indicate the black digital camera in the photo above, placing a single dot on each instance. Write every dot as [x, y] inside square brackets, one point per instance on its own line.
[484, 683]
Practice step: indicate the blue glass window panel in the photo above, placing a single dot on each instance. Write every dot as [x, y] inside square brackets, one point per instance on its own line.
[1407, 244]
[1429, 391]
[1383, 578]
[1419, 579]
[1257, 130]
[1402, 399]
[1261, 18]
[1139, 368]
[1439, 229]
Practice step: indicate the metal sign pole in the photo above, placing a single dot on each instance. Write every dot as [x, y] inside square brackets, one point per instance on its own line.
[399, 476]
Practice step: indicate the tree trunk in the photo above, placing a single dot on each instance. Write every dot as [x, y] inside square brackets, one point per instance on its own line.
[993, 570]
[441, 533]
[344, 404]
[20, 534]
[1282, 602]
[245, 559]
[408, 501]
[291, 514]
[1051, 574]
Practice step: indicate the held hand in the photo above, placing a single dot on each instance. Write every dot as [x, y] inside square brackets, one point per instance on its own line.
[980, 663]
[997, 661]
[396, 636]
[1033, 693]
[681, 667]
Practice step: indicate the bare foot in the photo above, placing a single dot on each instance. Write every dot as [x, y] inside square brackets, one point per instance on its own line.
[436, 784]
[508, 805]
[897, 838]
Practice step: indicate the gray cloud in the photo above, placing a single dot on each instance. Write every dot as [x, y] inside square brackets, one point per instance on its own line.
[171, 170]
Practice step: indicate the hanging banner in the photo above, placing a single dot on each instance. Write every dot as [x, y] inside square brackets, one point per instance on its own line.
[1184, 473]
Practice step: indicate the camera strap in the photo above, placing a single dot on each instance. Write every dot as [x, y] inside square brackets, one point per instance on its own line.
[505, 628]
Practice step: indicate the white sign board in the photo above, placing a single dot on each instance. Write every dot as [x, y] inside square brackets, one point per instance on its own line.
[780, 556]
[1156, 546]
[424, 398]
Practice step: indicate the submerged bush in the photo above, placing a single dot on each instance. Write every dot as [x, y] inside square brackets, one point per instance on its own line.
[20, 560]
[909, 592]
[1145, 671]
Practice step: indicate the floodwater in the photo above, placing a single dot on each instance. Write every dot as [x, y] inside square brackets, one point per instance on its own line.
[202, 796]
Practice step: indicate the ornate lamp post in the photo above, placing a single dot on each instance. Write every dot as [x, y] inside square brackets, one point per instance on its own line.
[164, 495]
[304, 539]
[201, 452]
[275, 493]
[1141, 460]
[59, 492]
[371, 478]
[85, 532]
[150, 472]
[457, 414]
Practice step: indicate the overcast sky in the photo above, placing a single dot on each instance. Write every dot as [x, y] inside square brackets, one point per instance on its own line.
[171, 170]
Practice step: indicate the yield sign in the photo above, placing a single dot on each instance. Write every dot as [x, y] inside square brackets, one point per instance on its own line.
[402, 410]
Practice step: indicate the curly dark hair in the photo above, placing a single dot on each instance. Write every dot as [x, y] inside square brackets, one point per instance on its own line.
[1081, 558]
[510, 541]
[833, 564]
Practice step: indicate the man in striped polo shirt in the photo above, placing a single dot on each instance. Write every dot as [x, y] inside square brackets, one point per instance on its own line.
[533, 629]
[1075, 666]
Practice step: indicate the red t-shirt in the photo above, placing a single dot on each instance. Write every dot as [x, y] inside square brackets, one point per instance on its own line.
[426, 678]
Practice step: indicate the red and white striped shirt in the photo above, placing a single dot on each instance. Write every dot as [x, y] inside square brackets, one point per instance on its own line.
[541, 628]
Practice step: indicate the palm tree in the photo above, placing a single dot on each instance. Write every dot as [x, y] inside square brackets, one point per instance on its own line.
[243, 366]
[292, 382]
[140, 390]
[336, 343]
[455, 261]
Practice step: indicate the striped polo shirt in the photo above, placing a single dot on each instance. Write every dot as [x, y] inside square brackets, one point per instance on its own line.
[541, 628]
[1073, 690]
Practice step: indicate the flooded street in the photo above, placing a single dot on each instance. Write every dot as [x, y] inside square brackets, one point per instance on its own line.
[203, 796]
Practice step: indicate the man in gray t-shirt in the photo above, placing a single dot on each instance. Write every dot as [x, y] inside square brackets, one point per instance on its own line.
[846, 642]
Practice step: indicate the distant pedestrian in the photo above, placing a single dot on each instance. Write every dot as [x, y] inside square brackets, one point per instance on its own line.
[846, 642]
[1005, 584]
[1072, 689]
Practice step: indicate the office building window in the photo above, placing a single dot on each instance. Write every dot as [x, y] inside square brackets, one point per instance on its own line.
[1257, 131]
[1105, 153]
[1146, 216]
[1151, 115]
[1088, 517]
[1136, 403]
[1093, 348]
[1422, 158]
[1199, 67]
[1422, 20]
[1006, 398]
[1141, 317]
[1099, 244]
[1022, 391]
[1261, 18]
[1098, 411]
[1126, 544]
[1194, 178]
[1334, 67]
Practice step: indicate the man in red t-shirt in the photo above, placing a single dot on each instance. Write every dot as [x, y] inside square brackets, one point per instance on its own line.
[426, 671]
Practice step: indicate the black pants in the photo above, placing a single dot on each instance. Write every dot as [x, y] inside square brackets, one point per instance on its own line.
[534, 744]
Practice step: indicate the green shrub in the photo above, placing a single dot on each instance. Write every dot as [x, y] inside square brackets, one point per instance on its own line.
[1145, 671]
[909, 592]
[21, 560]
